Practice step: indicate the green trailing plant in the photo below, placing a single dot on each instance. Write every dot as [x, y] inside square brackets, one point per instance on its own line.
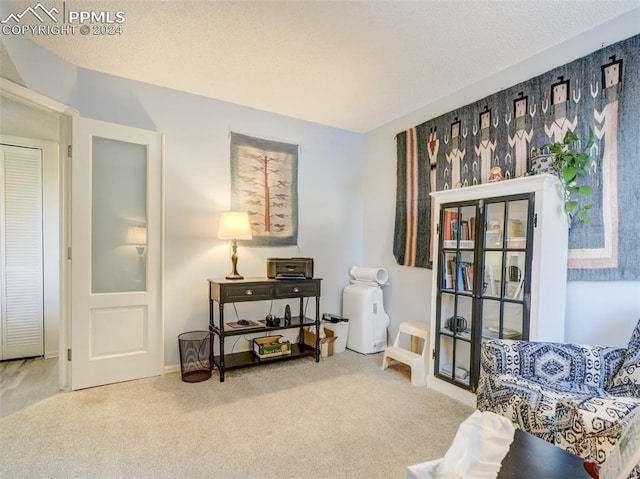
[570, 165]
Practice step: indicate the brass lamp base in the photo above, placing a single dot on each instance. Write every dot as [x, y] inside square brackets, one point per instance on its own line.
[234, 276]
[234, 262]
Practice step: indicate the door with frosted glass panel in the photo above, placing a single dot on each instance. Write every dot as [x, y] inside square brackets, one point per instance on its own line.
[116, 320]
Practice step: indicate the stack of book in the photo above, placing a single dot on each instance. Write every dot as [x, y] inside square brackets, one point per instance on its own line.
[461, 274]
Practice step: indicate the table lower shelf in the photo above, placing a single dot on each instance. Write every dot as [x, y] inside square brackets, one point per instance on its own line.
[247, 358]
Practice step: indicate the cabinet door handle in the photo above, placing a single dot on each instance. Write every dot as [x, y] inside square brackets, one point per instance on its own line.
[296, 289]
[249, 292]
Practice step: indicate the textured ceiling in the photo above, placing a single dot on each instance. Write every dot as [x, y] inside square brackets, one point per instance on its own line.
[349, 64]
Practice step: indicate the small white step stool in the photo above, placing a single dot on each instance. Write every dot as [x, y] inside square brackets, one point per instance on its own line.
[416, 360]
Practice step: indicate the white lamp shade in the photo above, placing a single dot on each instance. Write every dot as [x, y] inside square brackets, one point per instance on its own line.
[234, 225]
[136, 235]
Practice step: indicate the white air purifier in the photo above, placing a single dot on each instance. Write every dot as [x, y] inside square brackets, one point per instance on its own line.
[362, 306]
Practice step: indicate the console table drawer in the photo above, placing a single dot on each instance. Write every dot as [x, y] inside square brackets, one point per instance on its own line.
[294, 289]
[245, 292]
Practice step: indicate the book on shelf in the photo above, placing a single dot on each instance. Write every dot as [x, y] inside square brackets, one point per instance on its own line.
[464, 276]
[460, 286]
[455, 228]
[451, 270]
[468, 276]
[450, 217]
[515, 229]
[464, 230]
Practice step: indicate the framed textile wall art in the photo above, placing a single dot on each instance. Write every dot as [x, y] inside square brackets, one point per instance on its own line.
[264, 183]
[599, 92]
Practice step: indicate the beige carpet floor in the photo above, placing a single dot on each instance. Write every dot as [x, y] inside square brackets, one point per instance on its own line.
[341, 418]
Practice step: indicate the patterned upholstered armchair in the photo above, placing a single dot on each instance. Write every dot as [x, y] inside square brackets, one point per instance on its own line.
[579, 397]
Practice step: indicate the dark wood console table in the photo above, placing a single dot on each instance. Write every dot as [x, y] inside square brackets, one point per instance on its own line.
[223, 291]
[532, 458]
[529, 457]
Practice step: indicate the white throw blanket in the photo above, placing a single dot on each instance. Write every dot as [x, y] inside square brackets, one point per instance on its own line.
[477, 451]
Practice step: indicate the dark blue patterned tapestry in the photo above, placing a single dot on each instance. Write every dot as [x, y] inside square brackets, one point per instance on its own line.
[599, 92]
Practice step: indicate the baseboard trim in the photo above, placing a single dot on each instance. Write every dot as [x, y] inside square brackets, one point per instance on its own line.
[172, 368]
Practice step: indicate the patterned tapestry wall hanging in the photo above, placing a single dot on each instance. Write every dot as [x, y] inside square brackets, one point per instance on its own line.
[600, 92]
[264, 183]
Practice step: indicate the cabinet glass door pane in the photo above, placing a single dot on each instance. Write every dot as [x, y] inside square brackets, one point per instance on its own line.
[456, 316]
[490, 319]
[449, 227]
[513, 321]
[515, 275]
[466, 227]
[119, 216]
[463, 362]
[464, 268]
[448, 273]
[462, 322]
[493, 271]
[445, 356]
[454, 359]
[447, 310]
[458, 227]
[517, 224]
[494, 233]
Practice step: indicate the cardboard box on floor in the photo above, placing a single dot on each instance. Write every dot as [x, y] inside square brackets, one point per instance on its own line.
[326, 343]
[341, 331]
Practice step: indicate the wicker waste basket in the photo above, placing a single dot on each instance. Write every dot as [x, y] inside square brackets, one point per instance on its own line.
[195, 355]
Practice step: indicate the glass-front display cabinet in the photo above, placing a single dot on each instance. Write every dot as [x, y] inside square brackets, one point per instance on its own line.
[487, 272]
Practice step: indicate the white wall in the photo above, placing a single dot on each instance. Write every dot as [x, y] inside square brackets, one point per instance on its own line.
[197, 182]
[597, 312]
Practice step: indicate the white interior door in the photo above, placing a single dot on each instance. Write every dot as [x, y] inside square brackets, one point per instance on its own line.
[21, 253]
[116, 215]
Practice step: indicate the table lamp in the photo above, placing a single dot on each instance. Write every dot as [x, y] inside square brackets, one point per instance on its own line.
[137, 235]
[234, 226]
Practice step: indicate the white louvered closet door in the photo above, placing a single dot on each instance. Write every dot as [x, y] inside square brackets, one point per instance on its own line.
[21, 253]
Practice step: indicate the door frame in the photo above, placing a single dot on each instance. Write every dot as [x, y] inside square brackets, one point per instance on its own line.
[68, 115]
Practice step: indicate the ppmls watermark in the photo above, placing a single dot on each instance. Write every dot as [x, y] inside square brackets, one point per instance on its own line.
[40, 20]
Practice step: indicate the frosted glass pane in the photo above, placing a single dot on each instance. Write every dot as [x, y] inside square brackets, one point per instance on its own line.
[119, 216]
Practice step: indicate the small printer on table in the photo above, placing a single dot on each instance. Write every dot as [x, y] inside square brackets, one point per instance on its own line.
[290, 268]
